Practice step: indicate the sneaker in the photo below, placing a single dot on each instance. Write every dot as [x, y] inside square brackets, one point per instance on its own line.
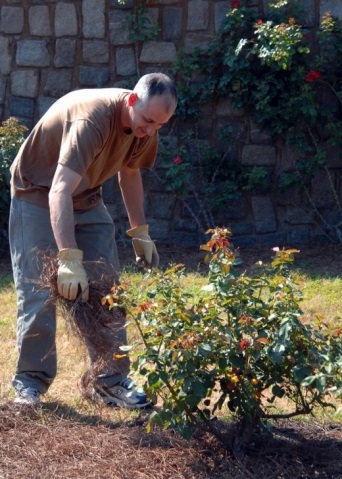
[27, 396]
[123, 394]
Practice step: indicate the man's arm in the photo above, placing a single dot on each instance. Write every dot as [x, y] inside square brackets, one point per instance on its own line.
[133, 195]
[63, 185]
[71, 274]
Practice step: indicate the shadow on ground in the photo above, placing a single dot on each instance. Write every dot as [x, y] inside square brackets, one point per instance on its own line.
[57, 442]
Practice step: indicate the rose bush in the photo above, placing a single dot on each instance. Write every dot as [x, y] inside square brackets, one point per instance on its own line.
[239, 344]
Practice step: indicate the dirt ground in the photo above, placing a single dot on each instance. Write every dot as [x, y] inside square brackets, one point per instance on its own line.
[58, 442]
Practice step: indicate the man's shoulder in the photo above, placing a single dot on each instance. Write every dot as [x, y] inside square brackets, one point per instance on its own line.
[93, 95]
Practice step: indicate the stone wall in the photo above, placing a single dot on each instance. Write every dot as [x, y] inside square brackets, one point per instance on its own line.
[50, 47]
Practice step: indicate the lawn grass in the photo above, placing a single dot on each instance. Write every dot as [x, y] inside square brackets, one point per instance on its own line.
[321, 302]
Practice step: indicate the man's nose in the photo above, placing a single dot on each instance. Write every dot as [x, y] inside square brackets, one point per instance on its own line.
[150, 130]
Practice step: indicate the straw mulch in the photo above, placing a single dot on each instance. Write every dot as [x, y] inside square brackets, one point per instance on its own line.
[57, 442]
[100, 329]
[52, 443]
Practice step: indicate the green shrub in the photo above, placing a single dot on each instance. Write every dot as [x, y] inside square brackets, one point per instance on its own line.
[285, 77]
[240, 344]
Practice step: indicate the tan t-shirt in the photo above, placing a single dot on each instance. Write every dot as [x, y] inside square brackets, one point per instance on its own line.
[83, 131]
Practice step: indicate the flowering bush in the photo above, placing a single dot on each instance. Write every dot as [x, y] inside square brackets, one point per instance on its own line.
[266, 66]
[287, 78]
[239, 344]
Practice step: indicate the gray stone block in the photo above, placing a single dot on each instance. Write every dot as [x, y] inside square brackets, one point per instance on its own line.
[334, 157]
[307, 15]
[297, 216]
[21, 107]
[5, 57]
[3, 83]
[39, 21]
[32, 53]
[24, 83]
[198, 15]
[194, 40]
[95, 51]
[158, 52]
[185, 225]
[44, 104]
[58, 83]
[162, 206]
[159, 229]
[125, 61]
[94, 76]
[258, 155]
[289, 157]
[172, 23]
[235, 209]
[259, 135]
[290, 196]
[190, 208]
[322, 189]
[333, 217]
[152, 17]
[65, 53]
[224, 108]
[221, 10]
[157, 180]
[118, 28]
[65, 19]
[12, 20]
[264, 214]
[93, 15]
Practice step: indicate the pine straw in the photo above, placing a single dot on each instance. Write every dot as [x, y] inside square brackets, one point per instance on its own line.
[49, 444]
[94, 324]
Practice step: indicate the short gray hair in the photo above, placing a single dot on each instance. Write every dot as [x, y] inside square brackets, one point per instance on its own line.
[154, 84]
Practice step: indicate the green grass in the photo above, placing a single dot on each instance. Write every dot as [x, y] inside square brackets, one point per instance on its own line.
[321, 302]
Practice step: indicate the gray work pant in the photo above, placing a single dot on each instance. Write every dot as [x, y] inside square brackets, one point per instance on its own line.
[30, 233]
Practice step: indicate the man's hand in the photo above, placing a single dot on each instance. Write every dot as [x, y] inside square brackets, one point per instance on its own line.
[71, 274]
[146, 254]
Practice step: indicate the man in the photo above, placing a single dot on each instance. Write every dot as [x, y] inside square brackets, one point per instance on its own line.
[86, 137]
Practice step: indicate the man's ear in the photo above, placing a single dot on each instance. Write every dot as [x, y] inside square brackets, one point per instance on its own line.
[132, 99]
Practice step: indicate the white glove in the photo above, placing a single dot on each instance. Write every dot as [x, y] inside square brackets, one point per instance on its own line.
[146, 254]
[71, 274]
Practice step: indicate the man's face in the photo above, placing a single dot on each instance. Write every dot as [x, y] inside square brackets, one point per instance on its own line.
[148, 116]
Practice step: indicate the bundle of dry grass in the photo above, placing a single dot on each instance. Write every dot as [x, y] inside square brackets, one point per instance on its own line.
[100, 329]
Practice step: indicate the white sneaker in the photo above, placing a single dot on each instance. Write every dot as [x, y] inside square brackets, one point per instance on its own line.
[27, 396]
[122, 394]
